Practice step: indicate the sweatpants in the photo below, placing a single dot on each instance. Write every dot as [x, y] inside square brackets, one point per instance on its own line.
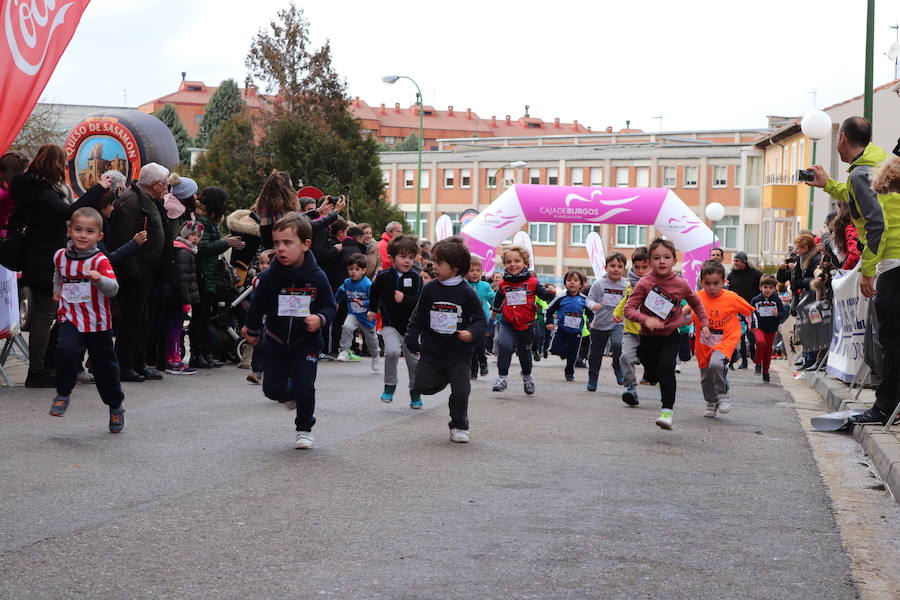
[431, 378]
[714, 378]
[598, 347]
[511, 339]
[765, 341]
[393, 343]
[479, 357]
[291, 376]
[335, 341]
[630, 343]
[657, 354]
[348, 329]
[540, 332]
[566, 345]
[100, 349]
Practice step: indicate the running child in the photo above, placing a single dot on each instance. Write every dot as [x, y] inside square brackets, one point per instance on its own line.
[355, 293]
[770, 313]
[714, 348]
[655, 304]
[603, 298]
[516, 293]
[447, 322]
[486, 296]
[572, 309]
[295, 297]
[256, 368]
[83, 283]
[631, 339]
[394, 294]
[186, 293]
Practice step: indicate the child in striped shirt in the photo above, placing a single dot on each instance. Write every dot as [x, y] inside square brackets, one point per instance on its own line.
[83, 283]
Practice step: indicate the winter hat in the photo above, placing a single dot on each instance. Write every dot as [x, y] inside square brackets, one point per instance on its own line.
[191, 227]
[741, 256]
[182, 187]
[174, 207]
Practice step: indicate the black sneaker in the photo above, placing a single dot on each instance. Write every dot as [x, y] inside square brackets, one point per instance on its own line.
[150, 373]
[581, 364]
[117, 419]
[484, 370]
[199, 362]
[40, 379]
[765, 377]
[131, 376]
[873, 415]
[757, 369]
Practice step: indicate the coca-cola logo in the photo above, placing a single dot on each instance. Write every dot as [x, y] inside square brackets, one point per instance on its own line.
[30, 25]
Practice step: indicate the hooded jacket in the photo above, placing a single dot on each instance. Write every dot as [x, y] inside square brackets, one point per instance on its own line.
[211, 245]
[184, 273]
[131, 211]
[875, 216]
[244, 224]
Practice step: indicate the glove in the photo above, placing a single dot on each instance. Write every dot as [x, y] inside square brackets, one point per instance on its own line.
[186, 308]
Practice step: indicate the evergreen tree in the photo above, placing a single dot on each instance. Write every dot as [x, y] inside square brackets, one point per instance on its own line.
[224, 104]
[408, 144]
[168, 115]
[233, 162]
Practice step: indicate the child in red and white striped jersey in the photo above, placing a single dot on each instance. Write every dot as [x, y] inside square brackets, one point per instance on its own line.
[83, 283]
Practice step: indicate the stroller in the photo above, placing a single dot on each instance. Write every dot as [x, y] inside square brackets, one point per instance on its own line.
[232, 303]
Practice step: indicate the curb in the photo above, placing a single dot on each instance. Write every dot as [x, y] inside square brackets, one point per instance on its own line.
[883, 449]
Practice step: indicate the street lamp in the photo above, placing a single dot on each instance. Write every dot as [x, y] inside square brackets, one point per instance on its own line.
[516, 164]
[390, 80]
[714, 212]
[815, 125]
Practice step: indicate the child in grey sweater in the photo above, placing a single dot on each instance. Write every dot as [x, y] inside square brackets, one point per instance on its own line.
[605, 295]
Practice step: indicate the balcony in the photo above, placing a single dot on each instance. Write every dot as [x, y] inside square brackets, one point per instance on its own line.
[780, 179]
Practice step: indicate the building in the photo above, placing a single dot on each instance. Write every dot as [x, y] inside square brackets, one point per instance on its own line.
[466, 174]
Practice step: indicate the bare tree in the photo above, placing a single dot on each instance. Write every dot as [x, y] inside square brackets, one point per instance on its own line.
[42, 127]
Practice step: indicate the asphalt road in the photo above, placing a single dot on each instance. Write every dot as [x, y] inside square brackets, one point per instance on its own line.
[566, 494]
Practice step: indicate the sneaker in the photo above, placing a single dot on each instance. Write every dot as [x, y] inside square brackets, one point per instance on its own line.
[117, 419]
[40, 379]
[376, 363]
[581, 364]
[180, 369]
[665, 419]
[765, 378]
[711, 408]
[643, 381]
[570, 378]
[304, 440]
[343, 356]
[59, 406]
[460, 436]
[254, 377]
[620, 379]
[743, 365]
[872, 415]
[528, 384]
[758, 369]
[591, 385]
[484, 370]
[678, 368]
[388, 394]
[536, 356]
[354, 357]
[500, 385]
[415, 401]
[473, 376]
[724, 405]
[326, 356]
[630, 397]
[84, 377]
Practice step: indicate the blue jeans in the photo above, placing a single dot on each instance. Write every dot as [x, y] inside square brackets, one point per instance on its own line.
[513, 339]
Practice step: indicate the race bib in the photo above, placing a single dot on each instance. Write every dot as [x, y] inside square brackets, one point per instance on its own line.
[611, 298]
[767, 311]
[77, 292]
[815, 316]
[357, 308]
[659, 303]
[407, 282]
[444, 318]
[573, 321]
[293, 305]
[714, 338]
[517, 297]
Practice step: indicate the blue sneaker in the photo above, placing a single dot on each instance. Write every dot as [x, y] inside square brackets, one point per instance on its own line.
[59, 406]
[619, 379]
[117, 419]
[570, 378]
[630, 397]
[592, 385]
[388, 394]
[415, 400]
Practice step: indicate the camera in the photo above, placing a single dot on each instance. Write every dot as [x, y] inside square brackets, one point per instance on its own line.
[896, 149]
[806, 175]
[332, 199]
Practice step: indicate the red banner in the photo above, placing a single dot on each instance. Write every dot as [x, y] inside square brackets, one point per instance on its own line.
[35, 34]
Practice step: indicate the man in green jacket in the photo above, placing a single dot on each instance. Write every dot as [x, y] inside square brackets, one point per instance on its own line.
[877, 220]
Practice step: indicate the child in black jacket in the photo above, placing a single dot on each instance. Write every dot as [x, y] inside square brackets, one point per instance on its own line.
[447, 320]
[296, 299]
[185, 293]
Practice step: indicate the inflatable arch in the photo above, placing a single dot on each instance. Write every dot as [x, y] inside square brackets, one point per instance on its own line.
[524, 203]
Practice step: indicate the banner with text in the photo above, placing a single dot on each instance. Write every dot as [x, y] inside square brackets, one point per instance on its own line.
[851, 309]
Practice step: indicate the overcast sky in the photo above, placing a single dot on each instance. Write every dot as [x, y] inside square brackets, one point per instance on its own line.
[699, 64]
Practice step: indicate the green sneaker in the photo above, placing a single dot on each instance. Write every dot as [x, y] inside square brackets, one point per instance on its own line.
[353, 356]
[665, 419]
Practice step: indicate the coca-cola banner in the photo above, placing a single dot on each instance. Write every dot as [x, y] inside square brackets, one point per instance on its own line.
[35, 34]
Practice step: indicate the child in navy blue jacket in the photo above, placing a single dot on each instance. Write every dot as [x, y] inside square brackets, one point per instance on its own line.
[572, 309]
[354, 292]
[769, 314]
[296, 299]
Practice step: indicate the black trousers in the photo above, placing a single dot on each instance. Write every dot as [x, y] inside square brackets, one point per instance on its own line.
[657, 354]
[514, 339]
[99, 345]
[131, 329]
[887, 287]
[431, 378]
[599, 340]
[479, 358]
[291, 376]
[566, 345]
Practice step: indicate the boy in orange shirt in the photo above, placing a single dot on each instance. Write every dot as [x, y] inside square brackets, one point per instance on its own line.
[713, 351]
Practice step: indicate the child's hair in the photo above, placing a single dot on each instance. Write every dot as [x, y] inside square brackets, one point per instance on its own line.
[888, 179]
[297, 223]
[665, 244]
[86, 212]
[277, 197]
[640, 255]
[213, 200]
[355, 232]
[768, 280]
[358, 260]
[267, 254]
[430, 273]
[578, 274]
[453, 251]
[476, 262]
[339, 225]
[617, 256]
[712, 267]
[362, 226]
[781, 287]
[526, 257]
[403, 244]
[12, 164]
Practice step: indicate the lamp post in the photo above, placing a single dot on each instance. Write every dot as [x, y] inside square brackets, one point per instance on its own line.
[516, 164]
[390, 80]
[815, 125]
[714, 212]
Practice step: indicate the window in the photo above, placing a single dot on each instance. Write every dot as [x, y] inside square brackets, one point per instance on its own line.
[386, 178]
[465, 178]
[509, 177]
[390, 140]
[546, 273]
[720, 176]
[596, 176]
[670, 177]
[690, 177]
[449, 175]
[631, 235]
[552, 176]
[622, 177]
[580, 232]
[727, 231]
[409, 178]
[423, 223]
[426, 176]
[642, 177]
[454, 216]
[534, 176]
[737, 176]
[492, 178]
[198, 119]
[578, 176]
[751, 239]
[542, 233]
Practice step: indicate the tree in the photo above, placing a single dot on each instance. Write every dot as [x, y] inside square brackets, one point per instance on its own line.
[233, 162]
[224, 104]
[168, 115]
[408, 144]
[42, 127]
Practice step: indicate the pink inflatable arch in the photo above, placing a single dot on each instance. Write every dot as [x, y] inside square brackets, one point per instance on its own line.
[659, 207]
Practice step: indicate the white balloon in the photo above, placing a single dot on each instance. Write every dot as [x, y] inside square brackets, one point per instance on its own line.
[816, 125]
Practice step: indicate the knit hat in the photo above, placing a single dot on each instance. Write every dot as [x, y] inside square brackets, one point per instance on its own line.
[191, 227]
[184, 188]
[741, 256]
[174, 207]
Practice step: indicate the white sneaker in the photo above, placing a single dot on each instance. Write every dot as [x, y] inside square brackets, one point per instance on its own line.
[343, 356]
[665, 419]
[460, 436]
[376, 363]
[304, 440]
[710, 410]
[724, 405]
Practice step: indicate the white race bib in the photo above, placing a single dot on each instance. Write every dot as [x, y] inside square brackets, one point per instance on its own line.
[659, 303]
[767, 311]
[611, 299]
[814, 316]
[517, 297]
[407, 282]
[573, 321]
[77, 292]
[357, 308]
[293, 305]
[444, 318]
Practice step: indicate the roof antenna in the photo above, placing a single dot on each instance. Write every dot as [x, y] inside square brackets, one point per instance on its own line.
[526, 111]
[183, 75]
[627, 124]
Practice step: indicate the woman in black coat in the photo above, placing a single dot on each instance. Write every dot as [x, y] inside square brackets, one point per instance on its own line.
[41, 205]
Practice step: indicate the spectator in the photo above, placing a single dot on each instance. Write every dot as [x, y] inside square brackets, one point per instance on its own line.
[391, 230]
[321, 219]
[276, 199]
[717, 255]
[844, 237]
[11, 164]
[743, 280]
[373, 259]
[180, 203]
